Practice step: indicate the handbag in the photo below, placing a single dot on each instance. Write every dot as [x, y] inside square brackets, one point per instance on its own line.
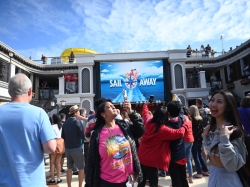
[60, 149]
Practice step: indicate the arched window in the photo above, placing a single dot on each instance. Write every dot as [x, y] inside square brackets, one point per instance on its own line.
[86, 105]
[178, 76]
[85, 81]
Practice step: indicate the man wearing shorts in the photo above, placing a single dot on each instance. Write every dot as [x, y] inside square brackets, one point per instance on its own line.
[73, 135]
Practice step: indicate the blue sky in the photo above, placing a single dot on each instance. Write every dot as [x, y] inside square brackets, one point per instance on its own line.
[35, 27]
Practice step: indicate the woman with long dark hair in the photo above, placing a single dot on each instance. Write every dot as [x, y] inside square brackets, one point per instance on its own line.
[112, 157]
[223, 141]
[154, 150]
[55, 158]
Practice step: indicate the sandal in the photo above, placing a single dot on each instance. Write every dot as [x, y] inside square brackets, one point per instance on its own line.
[190, 180]
[51, 182]
[205, 174]
[197, 177]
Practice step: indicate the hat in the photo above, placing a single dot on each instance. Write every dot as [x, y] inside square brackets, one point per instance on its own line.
[73, 109]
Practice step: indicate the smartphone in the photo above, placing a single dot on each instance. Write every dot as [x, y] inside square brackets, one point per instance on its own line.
[124, 92]
[229, 124]
[151, 99]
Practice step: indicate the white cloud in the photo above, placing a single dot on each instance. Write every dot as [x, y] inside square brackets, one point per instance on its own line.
[105, 71]
[132, 25]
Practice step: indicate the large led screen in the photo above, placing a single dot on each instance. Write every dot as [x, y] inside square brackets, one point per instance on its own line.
[140, 79]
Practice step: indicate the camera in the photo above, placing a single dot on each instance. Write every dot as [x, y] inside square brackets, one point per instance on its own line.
[151, 99]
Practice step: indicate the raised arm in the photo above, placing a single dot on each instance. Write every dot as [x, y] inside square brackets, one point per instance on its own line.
[166, 133]
[137, 127]
[145, 114]
[232, 154]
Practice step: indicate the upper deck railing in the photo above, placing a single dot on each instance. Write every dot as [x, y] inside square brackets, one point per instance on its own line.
[198, 54]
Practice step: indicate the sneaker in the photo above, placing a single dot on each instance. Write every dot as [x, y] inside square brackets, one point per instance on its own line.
[75, 173]
[58, 181]
[63, 170]
[51, 182]
[162, 175]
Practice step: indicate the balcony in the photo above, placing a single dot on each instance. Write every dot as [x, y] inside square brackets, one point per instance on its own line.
[57, 60]
[198, 54]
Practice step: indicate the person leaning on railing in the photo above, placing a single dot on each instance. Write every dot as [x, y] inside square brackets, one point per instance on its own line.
[189, 50]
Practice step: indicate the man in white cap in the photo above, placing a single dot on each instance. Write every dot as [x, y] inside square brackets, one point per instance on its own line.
[73, 135]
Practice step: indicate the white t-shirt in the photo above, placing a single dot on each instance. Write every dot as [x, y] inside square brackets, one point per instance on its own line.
[57, 131]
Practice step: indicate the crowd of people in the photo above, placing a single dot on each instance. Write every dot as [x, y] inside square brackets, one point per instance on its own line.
[111, 150]
[205, 52]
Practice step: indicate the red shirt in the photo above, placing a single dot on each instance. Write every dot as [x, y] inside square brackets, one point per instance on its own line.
[189, 134]
[68, 77]
[154, 150]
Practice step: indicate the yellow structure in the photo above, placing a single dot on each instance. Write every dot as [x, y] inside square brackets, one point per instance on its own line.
[77, 51]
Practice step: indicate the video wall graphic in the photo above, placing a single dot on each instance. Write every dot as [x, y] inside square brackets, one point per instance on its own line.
[140, 79]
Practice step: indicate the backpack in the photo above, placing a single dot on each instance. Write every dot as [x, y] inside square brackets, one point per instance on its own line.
[244, 171]
[204, 116]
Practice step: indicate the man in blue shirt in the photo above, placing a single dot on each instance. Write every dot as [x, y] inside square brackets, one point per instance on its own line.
[25, 135]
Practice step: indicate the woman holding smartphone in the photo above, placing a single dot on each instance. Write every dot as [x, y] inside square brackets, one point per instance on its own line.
[223, 141]
[112, 156]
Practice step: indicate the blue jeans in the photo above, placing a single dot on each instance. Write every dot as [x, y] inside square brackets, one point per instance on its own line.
[198, 159]
[188, 148]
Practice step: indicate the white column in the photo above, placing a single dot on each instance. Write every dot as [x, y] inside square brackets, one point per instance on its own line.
[36, 87]
[61, 85]
[91, 79]
[184, 75]
[172, 74]
[12, 70]
[203, 79]
[31, 78]
[80, 80]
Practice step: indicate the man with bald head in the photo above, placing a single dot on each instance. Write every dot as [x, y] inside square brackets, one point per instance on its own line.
[25, 135]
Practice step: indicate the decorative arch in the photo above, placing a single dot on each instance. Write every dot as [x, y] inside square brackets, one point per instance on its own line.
[183, 100]
[178, 76]
[86, 105]
[85, 80]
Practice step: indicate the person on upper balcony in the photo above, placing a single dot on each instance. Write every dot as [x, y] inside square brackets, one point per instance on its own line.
[74, 80]
[213, 53]
[213, 78]
[231, 76]
[202, 50]
[71, 57]
[195, 77]
[207, 50]
[44, 59]
[189, 51]
[68, 79]
[246, 70]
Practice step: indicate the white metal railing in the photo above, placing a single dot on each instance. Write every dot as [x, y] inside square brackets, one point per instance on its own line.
[198, 54]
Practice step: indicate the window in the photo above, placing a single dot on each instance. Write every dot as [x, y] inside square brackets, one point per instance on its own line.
[85, 81]
[178, 76]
